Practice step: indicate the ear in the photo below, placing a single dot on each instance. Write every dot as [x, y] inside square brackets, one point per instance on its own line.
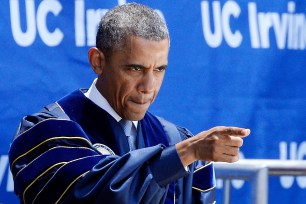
[96, 60]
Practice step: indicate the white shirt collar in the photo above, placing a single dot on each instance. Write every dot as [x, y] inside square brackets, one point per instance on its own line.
[95, 96]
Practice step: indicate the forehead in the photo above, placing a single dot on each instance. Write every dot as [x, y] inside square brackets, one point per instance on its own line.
[137, 47]
[132, 41]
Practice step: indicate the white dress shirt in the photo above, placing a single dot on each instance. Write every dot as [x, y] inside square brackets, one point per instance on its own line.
[95, 96]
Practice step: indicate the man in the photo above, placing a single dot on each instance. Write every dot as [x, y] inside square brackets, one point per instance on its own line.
[102, 145]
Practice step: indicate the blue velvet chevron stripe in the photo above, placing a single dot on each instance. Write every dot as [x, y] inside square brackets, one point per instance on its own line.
[29, 144]
[201, 173]
[72, 171]
[53, 158]
[45, 154]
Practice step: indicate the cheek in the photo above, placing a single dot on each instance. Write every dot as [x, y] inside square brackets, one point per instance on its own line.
[125, 91]
[158, 84]
[120, 85]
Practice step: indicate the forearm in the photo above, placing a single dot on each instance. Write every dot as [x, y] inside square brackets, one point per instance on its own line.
[186, 152]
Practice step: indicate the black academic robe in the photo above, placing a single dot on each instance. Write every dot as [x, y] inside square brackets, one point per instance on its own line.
[75, 152]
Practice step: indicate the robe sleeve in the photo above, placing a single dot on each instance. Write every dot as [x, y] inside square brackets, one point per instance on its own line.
[53, 161]
[204, 179]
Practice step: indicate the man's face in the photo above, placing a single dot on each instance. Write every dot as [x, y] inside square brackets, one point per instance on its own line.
[133, 76]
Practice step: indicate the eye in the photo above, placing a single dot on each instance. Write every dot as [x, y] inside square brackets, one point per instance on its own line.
[161, 69]
[136, 68]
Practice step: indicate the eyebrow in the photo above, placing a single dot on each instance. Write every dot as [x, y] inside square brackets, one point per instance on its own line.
[143, 67]
[135, 65]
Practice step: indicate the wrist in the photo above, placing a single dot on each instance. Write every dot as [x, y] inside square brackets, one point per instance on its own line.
[185, 152]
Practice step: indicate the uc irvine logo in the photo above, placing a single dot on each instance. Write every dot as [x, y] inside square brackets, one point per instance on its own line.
[37, 22]
[288, 28]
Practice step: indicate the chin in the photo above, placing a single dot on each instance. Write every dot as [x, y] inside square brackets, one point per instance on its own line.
[135, 116]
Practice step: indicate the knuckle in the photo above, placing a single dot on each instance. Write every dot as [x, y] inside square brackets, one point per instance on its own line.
[217, 128]
[236, 151]
[241, 142]
[234, 159]
[237, 141]
[214, 139]
[233, 131]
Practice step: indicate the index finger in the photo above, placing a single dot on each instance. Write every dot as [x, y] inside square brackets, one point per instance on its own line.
[231, 131]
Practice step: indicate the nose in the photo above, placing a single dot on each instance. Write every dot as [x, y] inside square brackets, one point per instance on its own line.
[148, 82]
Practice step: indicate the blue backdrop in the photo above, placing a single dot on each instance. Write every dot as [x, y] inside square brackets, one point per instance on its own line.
[238, 63]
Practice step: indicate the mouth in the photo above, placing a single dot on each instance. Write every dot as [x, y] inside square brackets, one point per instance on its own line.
[135, 108]
[141, 103]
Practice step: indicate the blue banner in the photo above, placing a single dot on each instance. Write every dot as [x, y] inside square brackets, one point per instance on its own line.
[238, 63]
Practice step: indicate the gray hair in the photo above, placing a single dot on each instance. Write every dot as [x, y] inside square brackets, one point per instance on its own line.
[128, 20]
